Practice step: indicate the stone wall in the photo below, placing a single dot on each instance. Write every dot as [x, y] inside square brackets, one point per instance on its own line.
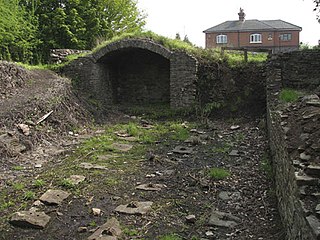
[296, 190]
[300, 69]
[233, 91]
[135, 71]
[60, 55]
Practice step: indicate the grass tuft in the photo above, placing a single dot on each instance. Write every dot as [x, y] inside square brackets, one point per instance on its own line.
[289, 95]
[218, 173]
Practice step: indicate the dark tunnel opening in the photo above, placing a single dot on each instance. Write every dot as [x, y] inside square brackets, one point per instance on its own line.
[137, 76]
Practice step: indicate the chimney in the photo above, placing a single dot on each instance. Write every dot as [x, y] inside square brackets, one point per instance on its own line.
[242, 15]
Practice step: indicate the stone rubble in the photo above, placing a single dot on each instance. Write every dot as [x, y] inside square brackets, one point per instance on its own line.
[30, 219]
[54, 197]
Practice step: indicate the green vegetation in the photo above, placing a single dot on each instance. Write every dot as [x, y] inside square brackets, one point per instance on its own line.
[218, 173]
[170, 237]
[18, 186]
[66, 183]
[39, 183]
[17, 168]
[289, 95]
[29, 195]
[130, 232]
[28, 29]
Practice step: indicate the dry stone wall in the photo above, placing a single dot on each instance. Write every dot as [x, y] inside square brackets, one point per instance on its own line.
[294, 140]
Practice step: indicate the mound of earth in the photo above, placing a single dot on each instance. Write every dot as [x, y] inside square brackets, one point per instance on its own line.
[37, 108]
[12, 77]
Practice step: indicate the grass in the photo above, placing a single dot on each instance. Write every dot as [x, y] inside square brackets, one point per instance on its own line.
[218, 173]
[66, 183]
[170, 237]
[29, 195]
[39, 183]
[17, 168]
[289, 95]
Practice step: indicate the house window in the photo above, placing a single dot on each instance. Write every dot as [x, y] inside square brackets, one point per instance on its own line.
[270, 37]
[222, 39]
[286, 37]
[256, 38]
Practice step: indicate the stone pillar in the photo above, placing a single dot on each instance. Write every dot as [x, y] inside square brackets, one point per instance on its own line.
[183, 78]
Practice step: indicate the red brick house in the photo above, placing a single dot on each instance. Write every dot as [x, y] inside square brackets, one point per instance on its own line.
[276, 35]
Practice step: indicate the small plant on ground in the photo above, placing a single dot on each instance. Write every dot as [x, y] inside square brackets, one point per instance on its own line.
[18, 186]
[170, 237]
[39, 183]
[17, 168]
[289, 95]
[66, 183]
[131, 232]
[218, 173]
[29, 195]
[92, 224]
[6, 205]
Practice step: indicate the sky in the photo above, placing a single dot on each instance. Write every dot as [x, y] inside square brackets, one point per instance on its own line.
[191, 18]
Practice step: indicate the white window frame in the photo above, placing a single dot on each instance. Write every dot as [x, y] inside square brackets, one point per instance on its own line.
[256, 38]
[222, 39]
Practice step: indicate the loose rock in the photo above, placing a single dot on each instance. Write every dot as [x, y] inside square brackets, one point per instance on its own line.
[150, 187]
[30, 219]
[122, 147]
[109, 231]
[76, 179]
[136, 208]
[221, 219]
[182, 150]
[54, 197]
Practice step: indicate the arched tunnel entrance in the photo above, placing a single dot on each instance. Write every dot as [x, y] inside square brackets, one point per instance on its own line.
[137, 76]
[136, 71]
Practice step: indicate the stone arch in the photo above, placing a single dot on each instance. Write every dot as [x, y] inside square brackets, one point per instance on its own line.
[137, 71]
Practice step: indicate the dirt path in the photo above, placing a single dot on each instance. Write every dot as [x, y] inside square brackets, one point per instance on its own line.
[221, 169]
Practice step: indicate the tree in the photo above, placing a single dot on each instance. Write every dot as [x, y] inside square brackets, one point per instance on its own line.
[18, 32]
[79, 23]
[178, 36]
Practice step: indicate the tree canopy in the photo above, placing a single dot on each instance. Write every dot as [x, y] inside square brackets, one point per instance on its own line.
[35, 26]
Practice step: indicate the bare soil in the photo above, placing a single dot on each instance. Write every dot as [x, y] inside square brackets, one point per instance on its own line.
[189, 188]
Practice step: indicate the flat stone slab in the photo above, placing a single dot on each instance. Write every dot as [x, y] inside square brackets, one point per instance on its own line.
[221, 219]
[76, 179]
[30, 219]
[315, 103]
[224, 195]
[135, 208]
[314, 224]
[129, 139]
[306, 180]
[182, 150]
[122, 147]
[313, 170]
[234, 153]
[109, 231]
[150, 187]
[54, 197]
[89, 166]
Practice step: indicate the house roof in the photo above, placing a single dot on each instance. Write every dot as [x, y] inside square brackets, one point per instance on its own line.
[253, 25]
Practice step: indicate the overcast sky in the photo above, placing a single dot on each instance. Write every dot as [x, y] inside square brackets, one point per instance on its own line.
[191, 18]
